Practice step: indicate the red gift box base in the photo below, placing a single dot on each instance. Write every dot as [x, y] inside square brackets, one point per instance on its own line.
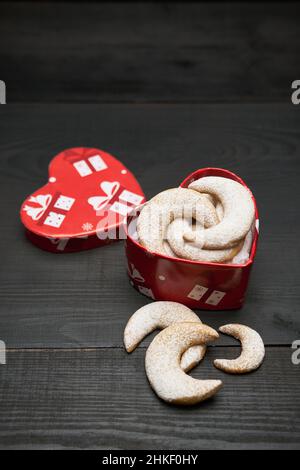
[208, 286]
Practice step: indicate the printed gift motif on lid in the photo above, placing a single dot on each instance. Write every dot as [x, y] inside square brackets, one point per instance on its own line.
[86, 167]
[64, 203]
[130, 197]
[54, 219]
[111, 188]
[87, 196]
[42, 201]
[87, 226]
[42, 211]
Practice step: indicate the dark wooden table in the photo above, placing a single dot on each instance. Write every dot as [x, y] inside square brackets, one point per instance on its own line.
[206, 84]
[68, 383]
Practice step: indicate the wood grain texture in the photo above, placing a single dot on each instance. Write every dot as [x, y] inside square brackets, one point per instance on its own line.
[102, 399]
[64, 52]
[92, 395]
[84, 299]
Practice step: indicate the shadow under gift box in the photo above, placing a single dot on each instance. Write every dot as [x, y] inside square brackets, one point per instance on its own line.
[199, 285]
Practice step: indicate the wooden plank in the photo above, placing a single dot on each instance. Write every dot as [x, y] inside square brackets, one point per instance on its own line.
[107, 52]
[84, 299]
[101, 399]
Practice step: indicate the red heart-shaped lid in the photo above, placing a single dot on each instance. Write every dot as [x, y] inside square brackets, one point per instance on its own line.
[88, 194]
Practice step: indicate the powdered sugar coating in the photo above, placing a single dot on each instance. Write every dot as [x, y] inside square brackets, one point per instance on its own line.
[238, 210]
[163, 369]
[219, 210]
[243, 255]
[168, 250]
[176, 234]
[253, 350]
[157, 214]
[160, 315]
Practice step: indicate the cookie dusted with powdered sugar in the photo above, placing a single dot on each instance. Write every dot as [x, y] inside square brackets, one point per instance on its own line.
[253, 350]
[166, 206]
[177, 232]
[163, 369]
[238, 211]
[160, 315]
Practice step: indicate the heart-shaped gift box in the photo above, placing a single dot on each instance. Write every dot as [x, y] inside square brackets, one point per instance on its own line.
[199, 285]
[84, 204]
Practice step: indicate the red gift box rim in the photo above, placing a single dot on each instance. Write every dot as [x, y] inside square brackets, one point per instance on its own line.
[207, 171]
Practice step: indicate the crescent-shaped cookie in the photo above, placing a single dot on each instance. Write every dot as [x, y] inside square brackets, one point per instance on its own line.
[238, 210]
[253, 350]
[160, 315]
[163, 369]
[177, 235]
[157, 214]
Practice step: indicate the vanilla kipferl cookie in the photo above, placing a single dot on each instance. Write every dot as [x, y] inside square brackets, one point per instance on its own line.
[238, 211]
[163, 369]
[166, 206]
[210, 221]
[177, 234]
[159, 315]
[253, 350]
